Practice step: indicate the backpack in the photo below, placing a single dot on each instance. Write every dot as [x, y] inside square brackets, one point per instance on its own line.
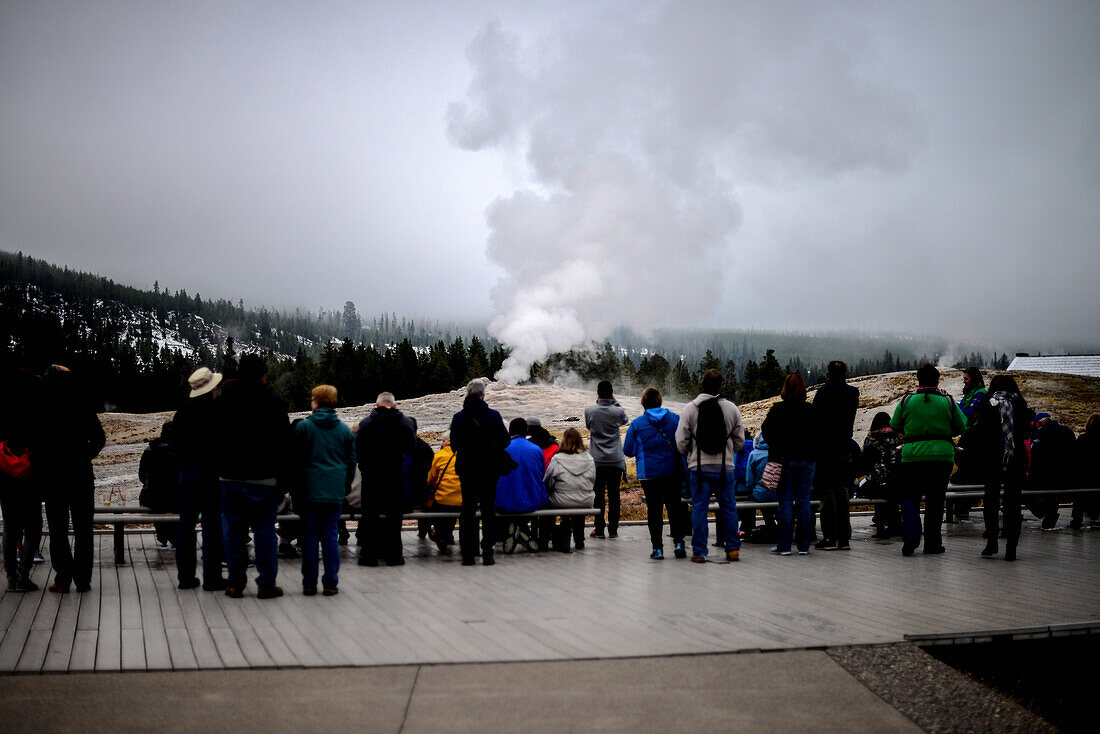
[710, 430]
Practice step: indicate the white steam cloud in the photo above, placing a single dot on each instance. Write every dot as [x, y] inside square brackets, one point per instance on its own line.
[631, 132]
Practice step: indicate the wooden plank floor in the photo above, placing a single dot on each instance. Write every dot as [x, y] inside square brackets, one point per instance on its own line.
[608, 600]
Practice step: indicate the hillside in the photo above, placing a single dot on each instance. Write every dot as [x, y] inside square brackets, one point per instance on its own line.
[1068, 398]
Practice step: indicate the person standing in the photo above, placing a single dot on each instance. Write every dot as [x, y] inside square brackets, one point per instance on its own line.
[1003, 427]
[791, 430]
[20, 502]
[709, 435]
[927, 420]
[479, 439]
[254, 445]
[835, 404]
[200, 493]
[605, 445]
[61, 457]
[651, 441]
[385, 446]
[327, 450]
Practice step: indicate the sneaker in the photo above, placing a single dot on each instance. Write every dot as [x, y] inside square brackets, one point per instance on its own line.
[802, 553]
[273, 593]
[698, 559]
[38, 557]
[776, 551]
[826, 545]
[596, 534]
[843, 546]
[680, 551]
[733, 555]
[658, 554]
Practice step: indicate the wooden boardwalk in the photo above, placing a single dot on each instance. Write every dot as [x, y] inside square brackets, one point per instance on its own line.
[608, 600]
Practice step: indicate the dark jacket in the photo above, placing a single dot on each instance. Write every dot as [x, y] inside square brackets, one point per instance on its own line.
[253, 430]
[791, 430]
[195, 429]
[418, 472]
[1088, 459]
[989, 438]
[1053, 455]
[881, 463]
[836, 404]
[478, 437]
[158, 472]
[70, 436]
[327, 454]
[385, 445]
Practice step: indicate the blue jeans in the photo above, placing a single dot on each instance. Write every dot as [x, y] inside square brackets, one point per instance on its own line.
[765, 495]
[320, 520]
[795, 484]
[247, 505]
[703, 484]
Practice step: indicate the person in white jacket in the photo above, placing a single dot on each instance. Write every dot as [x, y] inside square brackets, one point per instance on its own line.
[570, 481]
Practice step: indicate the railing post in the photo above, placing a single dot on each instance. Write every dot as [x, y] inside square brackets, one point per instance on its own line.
[120, 544]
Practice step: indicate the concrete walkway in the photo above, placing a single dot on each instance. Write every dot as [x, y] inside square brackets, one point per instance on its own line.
[756, 692]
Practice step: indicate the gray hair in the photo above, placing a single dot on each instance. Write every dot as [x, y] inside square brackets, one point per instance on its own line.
[476, 388]
[385, 399]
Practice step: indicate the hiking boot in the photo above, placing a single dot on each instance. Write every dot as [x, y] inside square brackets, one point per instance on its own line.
[658, 554]
[679, 550]
[309, 591]
[698, 559]
[330, 591]
[273, 592]
[733, 555]
[233, 592]
[25, 584]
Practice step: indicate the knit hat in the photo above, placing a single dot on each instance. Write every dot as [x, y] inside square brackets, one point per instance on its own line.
[203, 380]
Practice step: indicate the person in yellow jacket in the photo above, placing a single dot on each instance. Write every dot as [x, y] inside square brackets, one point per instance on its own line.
[445, 494]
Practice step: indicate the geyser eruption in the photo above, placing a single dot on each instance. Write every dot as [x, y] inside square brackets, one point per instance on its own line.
[628, 132]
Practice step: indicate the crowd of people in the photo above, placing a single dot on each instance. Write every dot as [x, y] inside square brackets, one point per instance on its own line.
[231, 457]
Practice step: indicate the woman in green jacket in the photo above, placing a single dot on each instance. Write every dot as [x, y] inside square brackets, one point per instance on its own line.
[927, 421]
[327, 449]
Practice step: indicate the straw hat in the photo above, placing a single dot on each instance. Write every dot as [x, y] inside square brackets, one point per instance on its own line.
[203, 381]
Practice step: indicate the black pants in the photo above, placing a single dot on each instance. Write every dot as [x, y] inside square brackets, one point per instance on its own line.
[383, 534]
[832, 485]
[1012, 482]
[930, 479]
[559, 529]
[22, 511]
[609, 481]
[200, 496]
[71, 497]
[661, 493]
[444, 526]
[478, 493]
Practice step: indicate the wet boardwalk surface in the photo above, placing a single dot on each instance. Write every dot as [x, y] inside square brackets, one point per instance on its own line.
[606, 601]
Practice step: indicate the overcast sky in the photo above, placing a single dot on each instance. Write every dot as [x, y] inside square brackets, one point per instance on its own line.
[561, 167]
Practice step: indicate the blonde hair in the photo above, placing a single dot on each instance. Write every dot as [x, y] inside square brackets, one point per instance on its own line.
[571, 442]
[325, 395]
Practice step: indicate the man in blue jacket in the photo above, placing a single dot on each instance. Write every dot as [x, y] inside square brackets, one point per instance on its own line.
[651, 440]
[522, 489]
